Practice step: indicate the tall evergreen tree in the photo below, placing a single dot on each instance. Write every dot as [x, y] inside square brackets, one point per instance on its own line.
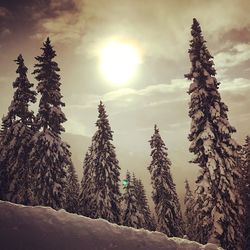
[142, 205]
[217, 201]
[189, 213]
[154, 222]
[15, 182]
[87, 205]
[72, 191]
[50, 156]
[167, 207]
[131, 216]
[101, 194]
[3, 167]
[246, 189]
[5, 139]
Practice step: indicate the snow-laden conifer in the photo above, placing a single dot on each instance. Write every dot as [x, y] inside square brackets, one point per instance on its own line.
[142, 205]
[87, 205]
[167, 207]
[15, 175]
[131, 215]
[246, 189]
[3, 157]
[190, 217]
[50, 156]
[100, 194]
[154, 223]
[72, 191]
[217, 201]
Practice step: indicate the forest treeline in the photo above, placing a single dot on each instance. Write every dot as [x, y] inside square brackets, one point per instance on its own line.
[36, 166]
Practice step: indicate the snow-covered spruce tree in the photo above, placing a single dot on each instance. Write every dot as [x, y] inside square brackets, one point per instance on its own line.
[100, 194]
[72, 190]
[87, 205]
[50, 156]
[142, 205]
[167, 206]
[246, 189]
[131, 216]
[198, 210]
[3, 157]
[217, 200]
[154, 223]
[241, 186]
[15, 175]
[189, 214]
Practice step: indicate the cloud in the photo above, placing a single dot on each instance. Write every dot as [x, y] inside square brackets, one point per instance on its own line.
[165, 104]
[60, 20]
[4, 79]
[74, 126]
[237, 84]
[125, 96]
[175, 85]
[148, 91]
[130, 106]
[235, 56]
[5, 16]
[4, 12]
[236, 93]
[5, 32]
[237, 35]
[161, 28]
[61, 29]
[151, 90]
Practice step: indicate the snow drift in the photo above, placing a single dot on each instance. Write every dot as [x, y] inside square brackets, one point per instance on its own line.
[37, 228]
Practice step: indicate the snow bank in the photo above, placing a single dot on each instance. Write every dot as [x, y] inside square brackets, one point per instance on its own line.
[37, 228]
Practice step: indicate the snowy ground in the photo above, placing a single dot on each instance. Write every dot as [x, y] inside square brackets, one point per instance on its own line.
[37, 228]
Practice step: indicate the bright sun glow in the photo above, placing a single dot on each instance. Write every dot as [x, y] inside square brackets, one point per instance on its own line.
[119, 61]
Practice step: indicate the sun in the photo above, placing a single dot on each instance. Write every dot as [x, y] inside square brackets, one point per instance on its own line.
[118, 62]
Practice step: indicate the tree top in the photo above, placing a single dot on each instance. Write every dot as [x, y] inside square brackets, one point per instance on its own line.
[156, 129]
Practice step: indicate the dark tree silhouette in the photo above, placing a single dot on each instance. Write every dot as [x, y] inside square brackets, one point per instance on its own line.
[72, 190]
[217, 204]
[167, 207]
[15, 176]
[100, 193]
[142, 205]
[50, 156]
[131, 215]
[246, 189]
[189, 213]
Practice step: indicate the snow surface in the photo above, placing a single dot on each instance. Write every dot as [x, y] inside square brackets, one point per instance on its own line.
[40, 228]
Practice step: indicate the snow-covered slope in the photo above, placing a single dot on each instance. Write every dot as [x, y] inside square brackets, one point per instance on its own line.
[36, 228]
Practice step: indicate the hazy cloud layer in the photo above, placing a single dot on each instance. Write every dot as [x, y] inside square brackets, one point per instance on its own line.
[4, 12]
[237, 55]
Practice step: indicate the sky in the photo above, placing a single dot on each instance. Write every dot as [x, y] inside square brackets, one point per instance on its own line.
[157, 92]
